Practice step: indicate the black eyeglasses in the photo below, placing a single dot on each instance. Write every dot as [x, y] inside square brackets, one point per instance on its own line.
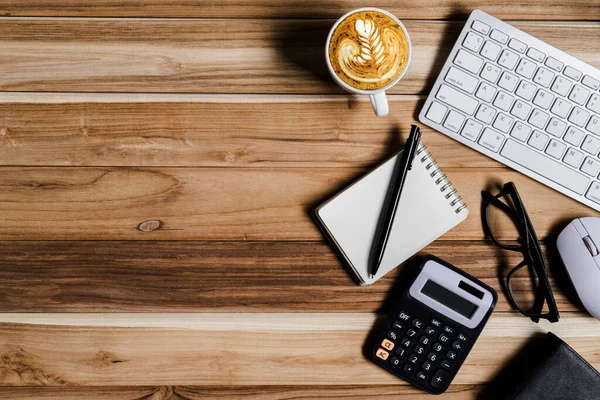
[529, 247]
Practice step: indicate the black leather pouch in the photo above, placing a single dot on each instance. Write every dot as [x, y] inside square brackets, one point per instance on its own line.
[546, 369]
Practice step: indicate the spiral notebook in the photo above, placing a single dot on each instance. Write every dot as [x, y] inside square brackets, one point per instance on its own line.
[429, 207]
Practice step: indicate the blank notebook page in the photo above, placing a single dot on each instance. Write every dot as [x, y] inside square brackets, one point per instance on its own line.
[424, 214]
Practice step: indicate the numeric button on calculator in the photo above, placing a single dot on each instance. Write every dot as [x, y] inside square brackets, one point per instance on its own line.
[437, 347]
[426, 366]
[417, 324]
[386, 344]
[462, 337]
[421, 376]
[409, 369]
[490, 50]
[392, 335]
[430, 331]
[561, 86]
[419, 350]
[425, 340]
[395, 361]
[381, 353]
[480, 27]
[398, 325]
[411, 333]
[473, 42]
[451, 355]
[443, 338]
[413, 359]
[440, 380]
[456, 345]
[436, 322]
[432, 357]
[405, 342]
[526, 68]
[446, 364]
[401, 352]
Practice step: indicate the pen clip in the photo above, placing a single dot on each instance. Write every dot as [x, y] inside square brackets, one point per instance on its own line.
[415, 138]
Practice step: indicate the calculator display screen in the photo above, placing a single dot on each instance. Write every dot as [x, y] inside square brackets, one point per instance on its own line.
[448, 298]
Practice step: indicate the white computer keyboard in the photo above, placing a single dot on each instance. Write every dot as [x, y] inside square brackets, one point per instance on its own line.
[522, 102]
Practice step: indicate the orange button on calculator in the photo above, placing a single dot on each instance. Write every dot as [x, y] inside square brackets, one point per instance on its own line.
[381, 353]
[387, 344]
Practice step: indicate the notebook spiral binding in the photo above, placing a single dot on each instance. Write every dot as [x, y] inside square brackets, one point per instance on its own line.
[445, 185]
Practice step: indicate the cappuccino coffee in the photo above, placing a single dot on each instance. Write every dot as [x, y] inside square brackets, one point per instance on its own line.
[368, 50]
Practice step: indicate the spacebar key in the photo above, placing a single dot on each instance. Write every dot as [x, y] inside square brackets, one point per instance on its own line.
[545, 167]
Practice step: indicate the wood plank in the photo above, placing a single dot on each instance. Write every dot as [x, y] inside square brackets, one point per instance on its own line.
[223, 203]
[429, 9]
[209, 56]
[212, 130]
[201, 277]
[225, 349]
[381, 392]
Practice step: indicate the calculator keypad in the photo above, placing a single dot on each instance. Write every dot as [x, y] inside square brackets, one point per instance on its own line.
[424, 351]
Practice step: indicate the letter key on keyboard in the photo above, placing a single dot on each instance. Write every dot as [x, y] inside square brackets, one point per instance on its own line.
[522, 102]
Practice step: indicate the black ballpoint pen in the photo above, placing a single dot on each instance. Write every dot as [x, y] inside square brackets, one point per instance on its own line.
[388, 212]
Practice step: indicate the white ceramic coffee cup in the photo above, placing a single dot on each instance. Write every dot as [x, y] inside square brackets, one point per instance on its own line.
[378, 97]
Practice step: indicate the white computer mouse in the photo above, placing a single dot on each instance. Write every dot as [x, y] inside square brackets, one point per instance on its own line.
[579, 247]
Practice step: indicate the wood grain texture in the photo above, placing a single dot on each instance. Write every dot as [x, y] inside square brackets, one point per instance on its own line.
[223, 203]
[243, 349]
[212, 130]
[227, 277]
[430, 9]
[228, 56]
[349, 392]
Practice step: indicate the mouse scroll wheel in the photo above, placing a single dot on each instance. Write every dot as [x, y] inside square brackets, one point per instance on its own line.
[590, 245]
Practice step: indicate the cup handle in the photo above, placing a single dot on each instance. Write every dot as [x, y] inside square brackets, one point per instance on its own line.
[379, 103]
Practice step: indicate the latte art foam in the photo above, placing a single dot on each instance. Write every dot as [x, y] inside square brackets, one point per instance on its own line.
[368, 50]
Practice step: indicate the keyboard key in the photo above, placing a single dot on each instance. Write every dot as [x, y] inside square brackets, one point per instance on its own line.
[561, 86]
[480, 27]
[426, 366]
[424, 340]
[556, 149]
[456, 99]
[535, 54]
[544, 166]
[437, 347]
[579, 94]
[461, 80]
[419, 350]
[398, 325]
[405, 342]
[526, 90]
[591, 145]
[543, 77]
[491, 140]
[430, 330]
[520, 109]
[594, 192]
[508, 59]
[454, 121]
[462, 337]
[413, 359]
[432, 357]
[538, 140]
[591, 166]
[421, 376]
[517, 46]
[543, 99]
[446, 364]
[503, 123]
[392, 335]
[594, 125]
[572, 73]
[490, 50]
[520, 131]
[387, 344]
[573, 136]
[440, 380]
[503, 101]
[471, 131]
[456, 345]
[490, 72]
[538, 118]
[468, 61]
[561, 108]
[436, 322]
[486, 92]
[508, 81]
[448, 330]
[451, 355]
[403, 316]
[436, 112]
[381, 353]
[473, 42]
[485, 114]
[395, 361]
[590, 82]
[526, 68]
[411, 333]
[573, 158]
[417, 324]
[443, 338]
[554, 64]
[578, 116]
[556, 127]
[409, 369]
[401, 352]
[594, 103]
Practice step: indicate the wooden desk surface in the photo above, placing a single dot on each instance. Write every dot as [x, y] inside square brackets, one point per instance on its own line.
[159, 161]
